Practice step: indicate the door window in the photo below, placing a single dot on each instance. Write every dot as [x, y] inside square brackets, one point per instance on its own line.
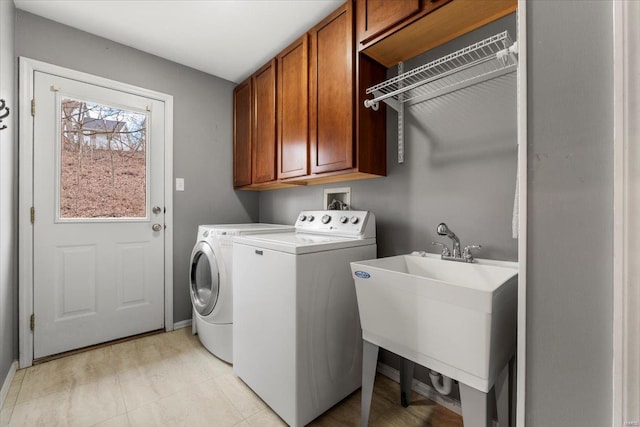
[103, 161]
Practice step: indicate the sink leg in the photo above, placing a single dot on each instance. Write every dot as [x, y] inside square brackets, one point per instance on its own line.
[474, 407]
[406, 378]
[502, 396]
[369, 365]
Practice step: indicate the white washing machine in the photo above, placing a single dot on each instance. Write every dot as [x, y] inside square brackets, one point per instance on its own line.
[211, 284]
[297, 337]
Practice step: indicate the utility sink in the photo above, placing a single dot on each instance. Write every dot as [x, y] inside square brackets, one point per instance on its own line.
[453, 317]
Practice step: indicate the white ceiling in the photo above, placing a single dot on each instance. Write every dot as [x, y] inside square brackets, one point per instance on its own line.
[226, 38]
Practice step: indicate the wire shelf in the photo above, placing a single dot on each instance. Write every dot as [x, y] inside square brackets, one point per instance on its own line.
[473, 64]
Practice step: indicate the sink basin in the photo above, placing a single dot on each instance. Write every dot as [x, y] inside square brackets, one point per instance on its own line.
[453, 317]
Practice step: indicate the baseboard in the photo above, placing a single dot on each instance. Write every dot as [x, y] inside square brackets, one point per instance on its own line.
[7, 382]
[422, 389]
[182, 324]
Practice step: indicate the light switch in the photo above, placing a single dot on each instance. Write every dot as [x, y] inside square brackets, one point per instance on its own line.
[179, 184]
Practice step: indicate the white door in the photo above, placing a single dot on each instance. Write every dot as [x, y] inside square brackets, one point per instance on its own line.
[98, 262]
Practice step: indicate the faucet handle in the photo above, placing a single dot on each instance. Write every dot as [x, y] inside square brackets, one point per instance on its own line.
[445, 249]
[466, 252]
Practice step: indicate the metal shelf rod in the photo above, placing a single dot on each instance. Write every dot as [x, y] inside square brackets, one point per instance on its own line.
[476, 63]
[403, 89]
[498, 48]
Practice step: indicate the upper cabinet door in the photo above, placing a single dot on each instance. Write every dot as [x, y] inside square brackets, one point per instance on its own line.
[293, 109]
[375, 16]
[264, 124]
[331, 97]
[242, 128]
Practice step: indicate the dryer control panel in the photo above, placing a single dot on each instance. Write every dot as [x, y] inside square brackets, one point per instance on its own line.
[356, 224]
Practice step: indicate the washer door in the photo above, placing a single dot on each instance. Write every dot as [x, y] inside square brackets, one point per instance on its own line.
[204, 278]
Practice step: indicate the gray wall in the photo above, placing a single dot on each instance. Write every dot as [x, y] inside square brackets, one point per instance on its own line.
[460, 168]
[203, 108]
[8, 185]
[570, 214]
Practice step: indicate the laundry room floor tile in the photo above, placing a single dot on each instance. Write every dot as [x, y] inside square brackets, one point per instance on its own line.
[83, 405]
[203, 404]
[117, 421]
[65, 373]
[169, 379]
[241, 396]
[265, 418]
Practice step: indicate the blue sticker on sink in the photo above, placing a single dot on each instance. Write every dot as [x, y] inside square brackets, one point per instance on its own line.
[362, 274]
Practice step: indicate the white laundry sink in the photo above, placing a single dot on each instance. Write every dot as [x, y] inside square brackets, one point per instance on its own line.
[453, 317]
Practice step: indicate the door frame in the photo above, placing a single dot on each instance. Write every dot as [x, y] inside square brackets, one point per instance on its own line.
[623, 111]
[25, 191]
[522, 182]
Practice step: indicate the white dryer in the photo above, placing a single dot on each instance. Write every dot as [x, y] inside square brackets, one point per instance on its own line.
[297, 337]
[211, 283]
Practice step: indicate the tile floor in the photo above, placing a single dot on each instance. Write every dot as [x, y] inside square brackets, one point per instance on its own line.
[169, 379]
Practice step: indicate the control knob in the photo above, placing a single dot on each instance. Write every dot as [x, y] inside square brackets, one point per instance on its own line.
[326, 219]
[302, 217]
[344, 219]
[354, 220]
[311, 218]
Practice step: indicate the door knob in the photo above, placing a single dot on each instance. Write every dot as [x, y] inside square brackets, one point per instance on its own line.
[156, 227]
[156, 210]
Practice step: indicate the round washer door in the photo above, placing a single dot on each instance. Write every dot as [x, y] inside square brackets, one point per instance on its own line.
[204, 279]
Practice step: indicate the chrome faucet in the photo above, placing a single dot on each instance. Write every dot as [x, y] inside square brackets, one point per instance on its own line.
[443, 230]
[456, 255]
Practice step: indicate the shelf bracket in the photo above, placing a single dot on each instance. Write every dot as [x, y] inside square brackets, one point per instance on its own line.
[374, 105]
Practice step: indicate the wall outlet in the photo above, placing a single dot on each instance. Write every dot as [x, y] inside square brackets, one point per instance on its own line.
[179, 184]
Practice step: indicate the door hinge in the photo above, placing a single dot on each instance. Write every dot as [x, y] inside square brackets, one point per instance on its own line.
[33, 107]
[33, 214]
[32, 322]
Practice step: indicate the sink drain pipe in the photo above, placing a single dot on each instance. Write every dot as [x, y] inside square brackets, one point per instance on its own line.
[443, 387]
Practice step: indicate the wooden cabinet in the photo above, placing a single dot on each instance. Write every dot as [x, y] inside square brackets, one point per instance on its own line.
[307, 121]
[293, 109]
[378, 18]
[375, 16]
[264, 124]
[254, 131]
[331, 109]
[405, 33]
[242, 134]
